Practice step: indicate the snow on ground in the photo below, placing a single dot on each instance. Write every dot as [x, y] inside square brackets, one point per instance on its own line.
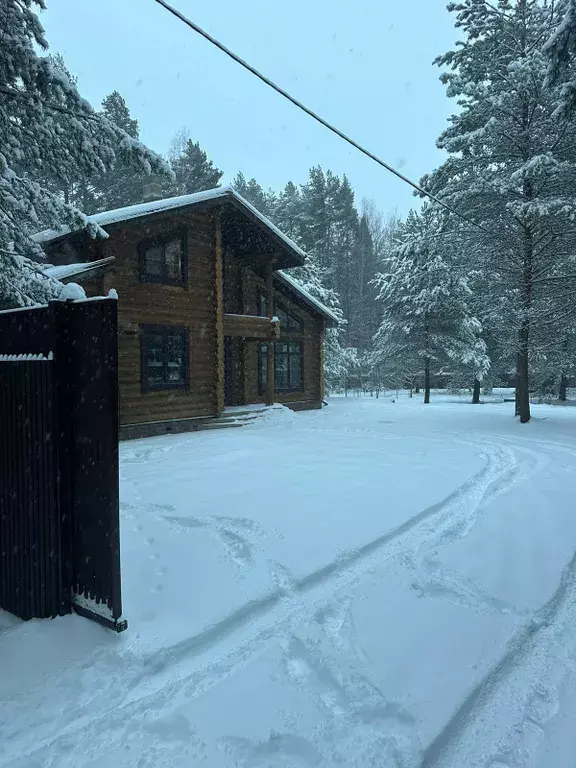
[376, 584]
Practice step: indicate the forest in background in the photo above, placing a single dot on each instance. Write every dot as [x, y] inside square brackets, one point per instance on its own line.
[474, 286]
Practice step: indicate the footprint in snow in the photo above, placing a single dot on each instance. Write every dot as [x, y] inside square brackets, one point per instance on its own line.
[281, 577]
[239, 549]
[543, 705]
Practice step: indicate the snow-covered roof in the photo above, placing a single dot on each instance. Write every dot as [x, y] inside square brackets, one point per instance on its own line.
[292, 283]
[183, 201]
[65, 271]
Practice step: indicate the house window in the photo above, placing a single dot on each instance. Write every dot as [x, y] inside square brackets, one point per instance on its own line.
[289, 323]
[262, 305]
[164, 260]
[164, 354]
[263, 368]
[288, 357]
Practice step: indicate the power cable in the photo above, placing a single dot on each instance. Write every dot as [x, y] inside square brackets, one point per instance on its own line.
[270, 83]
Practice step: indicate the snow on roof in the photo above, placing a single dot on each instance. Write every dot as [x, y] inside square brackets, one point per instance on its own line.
[156, 206]
[292, 283]
[72, 270]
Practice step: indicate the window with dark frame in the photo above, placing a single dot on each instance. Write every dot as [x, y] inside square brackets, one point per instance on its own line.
[288, 367]
[289, 322]
[164, 260]
[164, 355]
[262, 305]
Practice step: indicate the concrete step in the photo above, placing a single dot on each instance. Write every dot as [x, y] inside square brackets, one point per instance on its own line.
[217, 424]
[241, 412]
[232, 418]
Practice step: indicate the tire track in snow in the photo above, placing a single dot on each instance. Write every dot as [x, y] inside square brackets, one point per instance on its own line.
[519, 682]
[432, 579]
[164, 678]
[348, 566]
[511, 683]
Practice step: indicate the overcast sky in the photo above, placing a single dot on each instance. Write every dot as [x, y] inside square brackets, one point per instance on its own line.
[365, 65]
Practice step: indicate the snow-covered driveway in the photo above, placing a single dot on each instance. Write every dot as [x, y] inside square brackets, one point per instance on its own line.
[377, 584]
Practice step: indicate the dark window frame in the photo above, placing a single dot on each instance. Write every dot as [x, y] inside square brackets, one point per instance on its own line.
[299, 321]
[162, 241]
[262, 383]
[262, 305]
[164, 330]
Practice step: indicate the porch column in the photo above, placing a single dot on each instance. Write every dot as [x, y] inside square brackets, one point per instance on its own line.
[270, 356]
[322, 359]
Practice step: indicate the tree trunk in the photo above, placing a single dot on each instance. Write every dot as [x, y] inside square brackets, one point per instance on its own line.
[476, 392]
[412, 392]
[417, 390]
[523, 361]
[427, 380]
[563, 389]
[523, 384]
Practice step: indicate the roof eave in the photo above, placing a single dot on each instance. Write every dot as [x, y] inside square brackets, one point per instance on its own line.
[316, 306]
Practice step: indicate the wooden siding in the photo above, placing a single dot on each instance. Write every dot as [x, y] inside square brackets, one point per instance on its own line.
[193, 305]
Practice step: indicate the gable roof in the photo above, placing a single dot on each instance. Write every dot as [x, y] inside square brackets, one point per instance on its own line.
[141, 210]
[307, 297]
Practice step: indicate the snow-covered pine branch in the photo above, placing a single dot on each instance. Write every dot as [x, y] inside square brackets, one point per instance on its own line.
[46, 128]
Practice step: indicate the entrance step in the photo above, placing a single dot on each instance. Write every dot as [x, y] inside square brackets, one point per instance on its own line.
[234, 417]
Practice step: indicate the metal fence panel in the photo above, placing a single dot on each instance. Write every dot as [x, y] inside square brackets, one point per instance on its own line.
[30, 571]
[59, 517]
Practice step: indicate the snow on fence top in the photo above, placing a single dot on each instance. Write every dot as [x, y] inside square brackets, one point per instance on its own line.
[291, 282]
[183, 201]
[25, 358]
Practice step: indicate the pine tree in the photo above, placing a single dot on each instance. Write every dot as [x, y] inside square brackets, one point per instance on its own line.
[251, 191]
[288, 211]
[512, 167]
[363, 312]
[123, 184]
[193, 171]
[115, 109]
[48, 129]
[345, 252]
[426, 322]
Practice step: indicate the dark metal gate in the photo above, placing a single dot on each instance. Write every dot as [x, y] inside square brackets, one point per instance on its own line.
[59, 523]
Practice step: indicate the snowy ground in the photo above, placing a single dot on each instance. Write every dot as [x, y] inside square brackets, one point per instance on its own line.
[377, 584]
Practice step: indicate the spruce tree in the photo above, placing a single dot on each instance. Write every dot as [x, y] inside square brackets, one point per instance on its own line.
[426, 325]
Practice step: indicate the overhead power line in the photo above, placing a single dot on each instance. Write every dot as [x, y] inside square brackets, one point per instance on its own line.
[271, 84]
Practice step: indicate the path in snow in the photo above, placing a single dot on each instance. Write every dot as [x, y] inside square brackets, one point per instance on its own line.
[408, 600]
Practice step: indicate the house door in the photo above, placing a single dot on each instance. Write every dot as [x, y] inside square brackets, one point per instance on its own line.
[233, 371]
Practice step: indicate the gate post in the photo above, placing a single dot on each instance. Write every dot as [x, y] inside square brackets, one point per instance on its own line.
[64, 410]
